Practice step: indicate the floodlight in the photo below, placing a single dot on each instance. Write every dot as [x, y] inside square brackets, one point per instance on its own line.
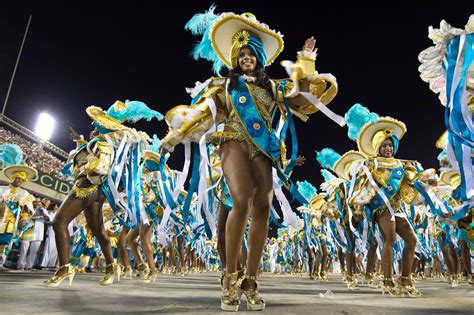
[45, 126]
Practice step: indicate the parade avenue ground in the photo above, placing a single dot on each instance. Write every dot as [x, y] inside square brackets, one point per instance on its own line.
[198, 293]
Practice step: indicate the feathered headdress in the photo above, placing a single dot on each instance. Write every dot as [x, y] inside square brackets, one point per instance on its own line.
[10, 154]
[327, 157]
[199, 25]
[223, 35]
[356, 117]
[132, 111]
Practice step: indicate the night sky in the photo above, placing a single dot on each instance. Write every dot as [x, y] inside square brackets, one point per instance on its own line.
[93, 55]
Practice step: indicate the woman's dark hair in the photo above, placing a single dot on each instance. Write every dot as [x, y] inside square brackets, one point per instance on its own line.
[262, 81]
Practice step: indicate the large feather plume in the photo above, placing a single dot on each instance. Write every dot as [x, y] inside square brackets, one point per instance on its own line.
[10, 154]
[134, 112]
[327, 157]
[356, 117]
[306, 190]
[199, 25]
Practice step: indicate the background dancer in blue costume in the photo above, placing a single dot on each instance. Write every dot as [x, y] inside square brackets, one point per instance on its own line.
[93, 165]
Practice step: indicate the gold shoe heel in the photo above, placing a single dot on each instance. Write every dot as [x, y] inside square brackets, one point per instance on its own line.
[230, 293]
[410, 289]
[392, 290]
[142, 271]
[151, 276]
[254, 301]
[56, 280]
[352, 283]
[114, 271]
[127, 272]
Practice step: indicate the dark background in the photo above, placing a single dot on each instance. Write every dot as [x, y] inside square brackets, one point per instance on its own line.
[76, 56]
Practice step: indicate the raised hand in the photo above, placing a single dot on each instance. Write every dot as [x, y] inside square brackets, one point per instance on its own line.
[74, 135]
[309, 48]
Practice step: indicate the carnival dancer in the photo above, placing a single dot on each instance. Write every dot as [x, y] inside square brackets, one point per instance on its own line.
[458, 230]
[15, 202]
[99, 167]
[153, 204]
[249, 146]
[308, 191]
[337, 190]
[384, 184]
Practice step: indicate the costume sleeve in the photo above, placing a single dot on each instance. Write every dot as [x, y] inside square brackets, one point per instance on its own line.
[413, 172]
[363, 191]
[27, 201]
[190, 122]
[303, 72]
[98, 161]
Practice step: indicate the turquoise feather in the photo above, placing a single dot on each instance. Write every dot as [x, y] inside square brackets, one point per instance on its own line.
[200, 25]
[356, 117]
[327, 175]
[10, 154]
[306, 190]
[134, 112]
[327, 157]
[155, 144]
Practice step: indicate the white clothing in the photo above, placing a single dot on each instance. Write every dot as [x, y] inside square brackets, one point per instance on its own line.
[50, 253]
[28, 252]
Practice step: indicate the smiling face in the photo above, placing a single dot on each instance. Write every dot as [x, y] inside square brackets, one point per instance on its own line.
[386, 149]
[247, 60]
[17, 182]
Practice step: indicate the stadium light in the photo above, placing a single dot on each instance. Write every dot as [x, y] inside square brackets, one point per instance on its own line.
[45, 126]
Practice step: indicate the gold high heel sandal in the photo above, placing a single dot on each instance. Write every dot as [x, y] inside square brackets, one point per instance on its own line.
[369, 279]
[392, 290]
[142, 271]
[324, 276]
[151, 276]
[230, 292]
[254, 301]
[352, 283]
[111, 271]
[127, 272]
[411, 290]
[56, 280]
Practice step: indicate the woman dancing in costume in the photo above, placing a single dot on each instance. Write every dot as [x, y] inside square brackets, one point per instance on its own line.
[91, 164]
[384, 184]
[249, 146]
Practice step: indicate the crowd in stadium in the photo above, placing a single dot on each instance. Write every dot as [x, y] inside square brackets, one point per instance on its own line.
[35, 155]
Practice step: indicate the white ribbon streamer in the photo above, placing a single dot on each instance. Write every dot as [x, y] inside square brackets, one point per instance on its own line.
[324, 109]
